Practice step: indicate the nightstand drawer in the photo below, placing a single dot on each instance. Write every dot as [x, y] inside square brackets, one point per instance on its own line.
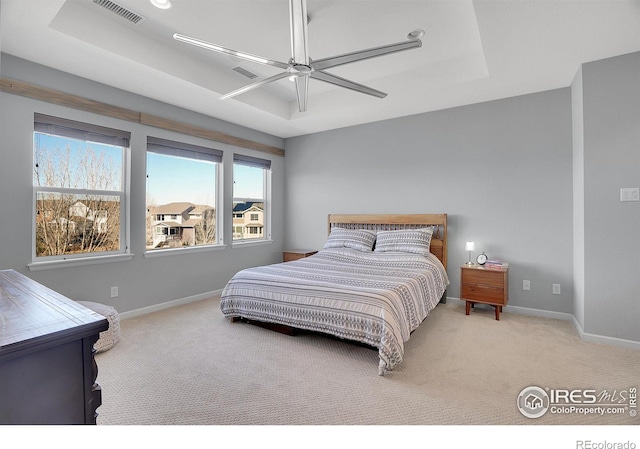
[288, 256]
[481, 285]
[484, 277]
[483, 293]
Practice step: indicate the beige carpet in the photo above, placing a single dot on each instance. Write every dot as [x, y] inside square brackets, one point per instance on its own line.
[190, 365]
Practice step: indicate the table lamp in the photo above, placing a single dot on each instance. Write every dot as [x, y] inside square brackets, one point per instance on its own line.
[470, 246]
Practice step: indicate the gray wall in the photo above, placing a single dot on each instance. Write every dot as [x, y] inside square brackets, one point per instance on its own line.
[577, 103]
[143, 282]
[501, 170]
[611, 141]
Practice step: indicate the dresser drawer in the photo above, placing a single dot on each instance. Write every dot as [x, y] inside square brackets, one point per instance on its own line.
[484, 277]
[483, 293]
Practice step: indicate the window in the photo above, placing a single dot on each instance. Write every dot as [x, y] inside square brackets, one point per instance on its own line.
[251, 202]
[182, 195]
[79, 181]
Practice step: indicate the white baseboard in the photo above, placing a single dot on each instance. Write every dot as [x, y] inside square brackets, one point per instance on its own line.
[169, 304]
[601, 339]
[591, 338]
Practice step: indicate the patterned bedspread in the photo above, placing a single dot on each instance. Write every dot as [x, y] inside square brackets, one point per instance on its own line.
[373, 298]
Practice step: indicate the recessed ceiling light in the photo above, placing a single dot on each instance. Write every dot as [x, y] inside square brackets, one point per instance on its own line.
[162, 4]
[415, 34]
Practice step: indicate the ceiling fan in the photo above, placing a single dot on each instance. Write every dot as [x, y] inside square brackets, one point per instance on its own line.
[301, 67]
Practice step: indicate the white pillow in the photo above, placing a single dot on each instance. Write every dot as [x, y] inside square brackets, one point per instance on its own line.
[360, 239]
[415, 241]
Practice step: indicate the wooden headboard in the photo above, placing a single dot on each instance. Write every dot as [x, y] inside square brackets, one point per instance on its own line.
[399, 221]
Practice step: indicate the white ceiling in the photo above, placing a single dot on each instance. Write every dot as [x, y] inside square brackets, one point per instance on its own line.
[472, 51]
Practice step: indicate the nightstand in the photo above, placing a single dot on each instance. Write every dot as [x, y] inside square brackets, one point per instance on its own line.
[296, 254]
[484, 285]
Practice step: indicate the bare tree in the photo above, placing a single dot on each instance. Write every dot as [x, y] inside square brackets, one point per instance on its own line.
[149, 223]
[54, 227]
[74, 213]
[205, 229]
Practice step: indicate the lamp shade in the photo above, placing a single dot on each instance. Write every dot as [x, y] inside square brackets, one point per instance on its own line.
[470, 246]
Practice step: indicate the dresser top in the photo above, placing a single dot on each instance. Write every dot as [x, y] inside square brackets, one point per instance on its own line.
[33, 315]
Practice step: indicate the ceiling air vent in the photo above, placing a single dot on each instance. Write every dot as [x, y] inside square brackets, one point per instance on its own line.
[245, 72]
[119, 10]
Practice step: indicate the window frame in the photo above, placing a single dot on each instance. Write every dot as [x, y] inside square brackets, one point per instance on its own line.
[84, 132]
[196, 152]
[265, 165]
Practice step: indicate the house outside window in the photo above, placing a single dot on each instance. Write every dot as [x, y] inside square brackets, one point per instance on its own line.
[79, 190]
[251, 198]
[182, 195]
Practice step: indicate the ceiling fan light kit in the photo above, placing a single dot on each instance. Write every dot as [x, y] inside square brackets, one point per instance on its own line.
[416, 34]
[300, 66]
[162, 4]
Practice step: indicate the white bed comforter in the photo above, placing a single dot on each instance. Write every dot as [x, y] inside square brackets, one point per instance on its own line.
[373, 298]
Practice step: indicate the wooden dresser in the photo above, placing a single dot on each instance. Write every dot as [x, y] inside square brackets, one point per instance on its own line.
[47, 368]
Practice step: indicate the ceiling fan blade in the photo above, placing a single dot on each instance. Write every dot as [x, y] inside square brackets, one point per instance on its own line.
[302, 89]
[333, 79]
[228, 51]
[299, 36]
[255, 85]
[347, 58]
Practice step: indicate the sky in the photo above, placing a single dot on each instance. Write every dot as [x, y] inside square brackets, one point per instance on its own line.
[173, 179]
[54, 155]
[169, 179]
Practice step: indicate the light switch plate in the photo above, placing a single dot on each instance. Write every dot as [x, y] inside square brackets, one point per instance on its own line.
[630, 194]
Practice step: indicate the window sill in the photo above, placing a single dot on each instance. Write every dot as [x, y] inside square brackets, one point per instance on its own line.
[77, 262]
[247, 243]
[184, 250]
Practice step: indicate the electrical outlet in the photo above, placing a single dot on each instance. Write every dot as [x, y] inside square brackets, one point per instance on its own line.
[526, 285]
[555, 289]
[114, 292]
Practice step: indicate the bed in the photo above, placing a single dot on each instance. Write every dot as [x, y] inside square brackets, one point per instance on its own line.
[374, 282]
